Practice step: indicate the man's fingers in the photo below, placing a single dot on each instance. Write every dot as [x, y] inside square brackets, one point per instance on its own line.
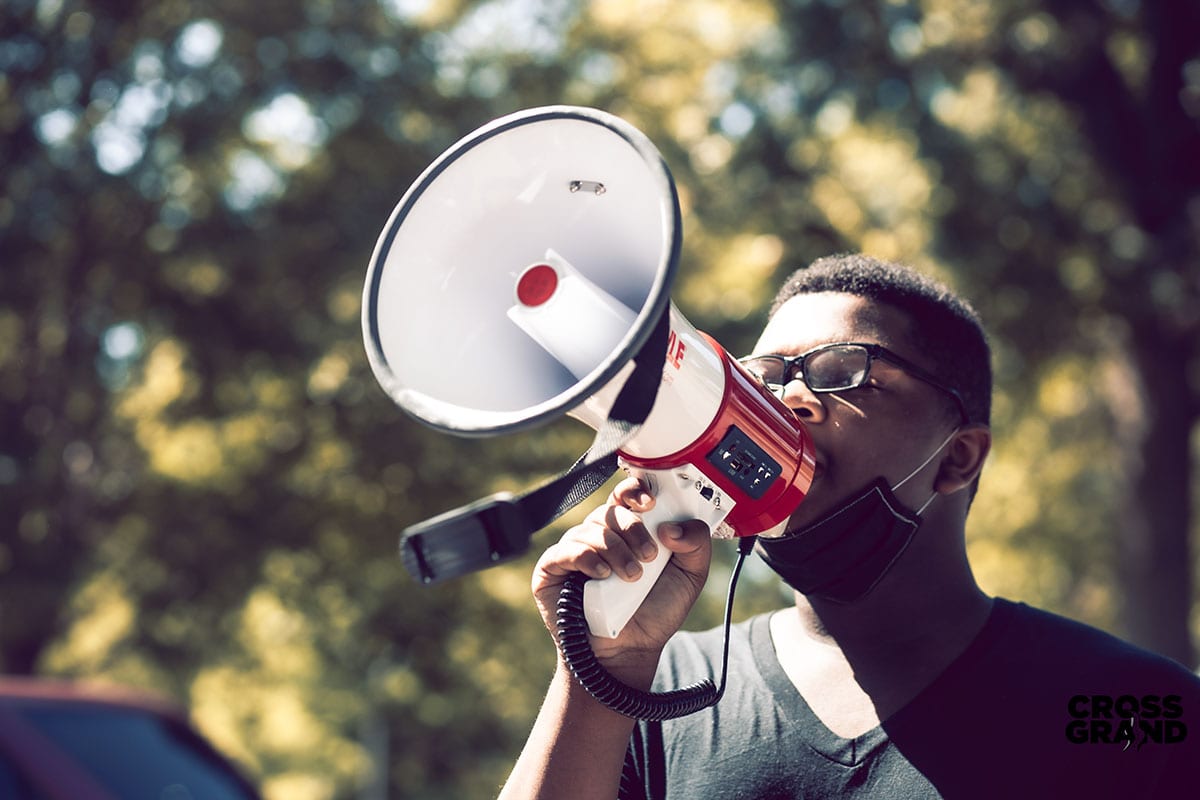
[628, 527]
[616, 543]
[690, 545]
[632, 495]
[572, 556]
[684, 537]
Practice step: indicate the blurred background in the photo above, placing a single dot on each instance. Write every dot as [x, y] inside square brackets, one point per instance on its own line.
[202, 487]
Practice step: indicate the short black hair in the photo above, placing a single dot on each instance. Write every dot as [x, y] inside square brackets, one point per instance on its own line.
[943, 325]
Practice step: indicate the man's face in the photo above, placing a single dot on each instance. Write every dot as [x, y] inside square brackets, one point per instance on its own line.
[887, 427]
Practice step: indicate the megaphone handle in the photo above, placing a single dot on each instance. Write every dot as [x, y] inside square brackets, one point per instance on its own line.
[680, 494]
[576, 648]
[610, 602]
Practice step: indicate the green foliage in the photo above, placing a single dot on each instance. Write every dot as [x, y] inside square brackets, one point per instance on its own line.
[204, 486]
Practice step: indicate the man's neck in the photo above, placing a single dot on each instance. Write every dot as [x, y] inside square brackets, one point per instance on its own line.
[885, 628]
[928, 600]
[885, 648]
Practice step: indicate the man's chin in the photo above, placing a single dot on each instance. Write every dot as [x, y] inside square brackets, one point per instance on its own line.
[811, 510]
[800, 520]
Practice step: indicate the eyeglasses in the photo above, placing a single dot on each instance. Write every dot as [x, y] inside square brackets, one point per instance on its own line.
[838, 368]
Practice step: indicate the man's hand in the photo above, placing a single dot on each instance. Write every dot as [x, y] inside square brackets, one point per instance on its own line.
[613, 539]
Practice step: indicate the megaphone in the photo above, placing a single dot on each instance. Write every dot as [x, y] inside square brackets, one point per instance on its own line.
[524, 276]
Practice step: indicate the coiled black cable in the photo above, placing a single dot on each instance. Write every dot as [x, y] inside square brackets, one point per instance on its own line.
[624, 699]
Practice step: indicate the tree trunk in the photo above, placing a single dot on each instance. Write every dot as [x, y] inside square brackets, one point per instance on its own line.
[1154, 556]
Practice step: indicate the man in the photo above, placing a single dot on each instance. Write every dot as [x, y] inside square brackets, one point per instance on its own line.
[893, 676]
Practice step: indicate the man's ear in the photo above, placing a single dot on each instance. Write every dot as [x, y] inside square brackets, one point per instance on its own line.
[964, 458]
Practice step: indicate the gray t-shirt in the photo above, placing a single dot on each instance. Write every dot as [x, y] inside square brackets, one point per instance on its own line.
[1038, 706]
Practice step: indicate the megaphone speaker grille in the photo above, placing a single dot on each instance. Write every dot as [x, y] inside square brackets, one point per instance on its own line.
[573, 181]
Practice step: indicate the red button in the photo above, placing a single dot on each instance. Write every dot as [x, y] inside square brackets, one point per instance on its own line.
[537, 285]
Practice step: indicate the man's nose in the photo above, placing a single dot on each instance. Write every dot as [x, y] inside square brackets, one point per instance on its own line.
[797, 396]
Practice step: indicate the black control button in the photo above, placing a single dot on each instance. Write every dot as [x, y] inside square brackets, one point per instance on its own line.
[739, 458]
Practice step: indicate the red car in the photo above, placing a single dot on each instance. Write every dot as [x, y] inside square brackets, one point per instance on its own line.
[65, 741]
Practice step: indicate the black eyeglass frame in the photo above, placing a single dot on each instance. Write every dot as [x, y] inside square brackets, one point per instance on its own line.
[793, 367]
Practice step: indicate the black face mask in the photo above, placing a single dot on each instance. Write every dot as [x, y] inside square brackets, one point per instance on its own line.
[842, 556]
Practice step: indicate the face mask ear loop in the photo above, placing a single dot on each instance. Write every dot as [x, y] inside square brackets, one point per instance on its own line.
[921, 510]
[925, 463]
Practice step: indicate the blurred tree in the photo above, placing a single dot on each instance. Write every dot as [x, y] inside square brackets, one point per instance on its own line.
[202, 478]
[1065, 141]
[204, 486]
[1131, 79]
[1045, 157]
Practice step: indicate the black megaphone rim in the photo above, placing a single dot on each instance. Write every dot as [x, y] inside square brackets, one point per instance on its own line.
[655, 306]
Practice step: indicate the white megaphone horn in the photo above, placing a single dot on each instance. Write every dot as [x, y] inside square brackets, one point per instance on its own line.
[525, 275]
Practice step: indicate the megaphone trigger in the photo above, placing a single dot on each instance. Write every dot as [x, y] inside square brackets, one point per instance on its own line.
[680, 494]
